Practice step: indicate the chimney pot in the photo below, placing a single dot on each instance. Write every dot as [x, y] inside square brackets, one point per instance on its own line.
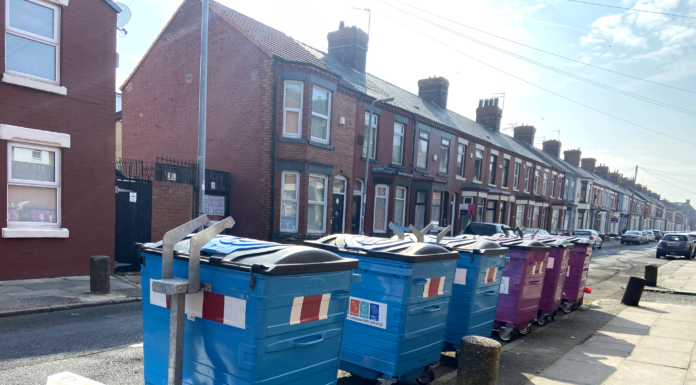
[525, 134]
[434, 89]
[349, 45]
[552, 147]
[341, 26]
[589, 164]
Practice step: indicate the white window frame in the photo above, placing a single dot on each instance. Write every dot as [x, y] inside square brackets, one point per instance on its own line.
[403, 200]
[386, 210]
[361, 194]
[479, 170]
[345, 194]
[401, 139]
[41, 39]
[442, 146]
[553, 186]
[536, 181]
[372, 127]
[461, 156]
[327, 117]
[325, 203]
[516, 180]
[527, 177]
[427, 148]
[296, 200]
[546, 183]
[299, 110]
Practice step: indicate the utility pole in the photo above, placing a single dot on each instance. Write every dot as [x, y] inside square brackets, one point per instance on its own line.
[202, 104]
[633, 195]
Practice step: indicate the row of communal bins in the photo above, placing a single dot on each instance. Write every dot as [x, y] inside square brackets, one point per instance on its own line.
[383, 309]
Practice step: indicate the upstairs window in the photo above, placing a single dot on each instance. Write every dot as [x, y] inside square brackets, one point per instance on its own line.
[321, 112]
[423, 139]
[292, 109]
[536, 181]
[436, 207]
[33, 191]
[461, 160]
[444, 155]
[32, 44]
[398, 147]
[477, 165]
[506, 170]
[493, 167]
[553, 185]
[516, 181]
[526, 179]
[371, 133]
[546, 183]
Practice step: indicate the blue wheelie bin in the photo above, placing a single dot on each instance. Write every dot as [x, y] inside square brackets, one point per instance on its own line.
[267, 313]
[398, 313]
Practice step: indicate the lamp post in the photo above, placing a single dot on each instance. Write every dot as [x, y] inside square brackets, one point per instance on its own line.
[367, 157]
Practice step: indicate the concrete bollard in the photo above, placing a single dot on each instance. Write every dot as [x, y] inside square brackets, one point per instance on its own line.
[634, 290]
[478, 361]
[99, 274]
[651, 275]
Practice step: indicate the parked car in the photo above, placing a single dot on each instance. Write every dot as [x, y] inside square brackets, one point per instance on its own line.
[590, 234]
[675, 244]
[530, 231]
[658, 234]
[647, 237]
[485, 228]
[650, 235]
[632, 236]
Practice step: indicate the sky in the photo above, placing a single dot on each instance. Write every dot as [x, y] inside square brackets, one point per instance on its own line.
[619, 120]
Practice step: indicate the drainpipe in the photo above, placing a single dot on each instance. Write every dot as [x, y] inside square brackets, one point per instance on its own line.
[273, 152]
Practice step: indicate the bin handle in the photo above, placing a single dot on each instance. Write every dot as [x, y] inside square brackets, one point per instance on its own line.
[340, 295]
[488, 293]
[296, 344]
[420, 281]
[171, 238]
[197, 242]
[535, 282]
[432, 309]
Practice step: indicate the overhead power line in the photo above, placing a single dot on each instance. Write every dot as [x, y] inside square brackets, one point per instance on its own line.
[668, 182]
[566, 73]
[633, 9]
[541, 50]
[681, 140]
[670, 173]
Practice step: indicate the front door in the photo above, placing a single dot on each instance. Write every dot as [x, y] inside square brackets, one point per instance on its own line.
[355, 222]
[338, 205]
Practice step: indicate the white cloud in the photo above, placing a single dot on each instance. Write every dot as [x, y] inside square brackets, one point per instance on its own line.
[589, 39]
[531, 8]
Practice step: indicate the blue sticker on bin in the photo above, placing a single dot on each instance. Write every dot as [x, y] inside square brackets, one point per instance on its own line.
[228, 245]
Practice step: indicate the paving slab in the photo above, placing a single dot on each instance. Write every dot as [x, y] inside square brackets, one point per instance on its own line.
[616, 346]
[660, 357]
[632, 373]
[13, 289]
[596, 353]
[684, 333]
[670, 344]
[579, 372]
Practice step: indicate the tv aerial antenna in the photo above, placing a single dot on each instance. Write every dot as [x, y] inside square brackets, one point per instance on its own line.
[123, 18]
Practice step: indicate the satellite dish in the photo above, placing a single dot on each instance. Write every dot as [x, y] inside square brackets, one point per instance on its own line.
[124, 16]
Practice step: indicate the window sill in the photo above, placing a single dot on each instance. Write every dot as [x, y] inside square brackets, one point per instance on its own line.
[504, 187]
[424, 171]
[459, 178]
[33, 232]
[375, 161]
[477, 181]
[285, 139]
[397, 166]
[491, 185]
[321, 145]
[35, 84]
[443, 174]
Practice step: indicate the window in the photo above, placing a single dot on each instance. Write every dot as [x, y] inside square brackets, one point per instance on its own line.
[32, 44]
[381, 209]
[321, 112]
[422, 150]
[421, 197]
[530, 210]
[33, 191]
[436, 206]
[583, 192]
[477, 165]
[444, 155]
[535, 218]
[398, 147]
[316, 208]
[506, 170]
[526, 179]
[461, 160]
[516, 181]
[479, 210]
[553, 186]
[371, 133]
[288, 202]
[519, 217]
[490, 211]
[493, 167]
[543, 217]
[546, 183]
[400, 207]
[292, 109]
[536, 181]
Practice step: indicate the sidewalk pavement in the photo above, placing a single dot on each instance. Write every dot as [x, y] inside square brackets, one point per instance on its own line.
[650, 344]
[53, 294]
[678, 276]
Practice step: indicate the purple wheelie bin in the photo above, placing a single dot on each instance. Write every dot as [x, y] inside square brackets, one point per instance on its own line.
[576, 277]
[556, 273]
[521, 286]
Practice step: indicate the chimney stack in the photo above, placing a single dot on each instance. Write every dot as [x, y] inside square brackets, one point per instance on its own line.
[489, 114]
[350, 46]
[614, 177]
[588, 164]
[435, 90]
[602, 171]
[552, 147]
[573, 156]
[525, 134]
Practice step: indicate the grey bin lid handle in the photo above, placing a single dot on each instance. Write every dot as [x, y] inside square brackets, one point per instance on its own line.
[197, 242]
[171, 238]
[419, 234]
[443, 234]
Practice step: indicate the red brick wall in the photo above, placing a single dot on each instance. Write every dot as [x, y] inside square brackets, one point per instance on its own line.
[88, 57]
[171, 207]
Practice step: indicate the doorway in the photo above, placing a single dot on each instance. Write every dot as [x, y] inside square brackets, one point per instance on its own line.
[338, 206]
[356, 223]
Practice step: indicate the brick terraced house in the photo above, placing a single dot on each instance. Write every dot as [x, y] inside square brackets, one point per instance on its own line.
[56, 135]
[291, 125]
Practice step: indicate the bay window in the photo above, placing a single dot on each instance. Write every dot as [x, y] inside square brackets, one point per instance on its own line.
[321, 112]
[316, 208]
[421, 197]
[436, 207]
[288, 202]
[381, 209]
[292, 109]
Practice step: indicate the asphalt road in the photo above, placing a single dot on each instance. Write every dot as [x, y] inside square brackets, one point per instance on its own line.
[105, 343]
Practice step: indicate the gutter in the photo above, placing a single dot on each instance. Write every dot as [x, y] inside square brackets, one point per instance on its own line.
[271, 236]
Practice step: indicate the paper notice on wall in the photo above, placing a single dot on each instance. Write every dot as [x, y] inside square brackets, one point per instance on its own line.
[133, 197]
[368, 312]
[214, 205]
[460, 277]
[550, 265]
[505, 285]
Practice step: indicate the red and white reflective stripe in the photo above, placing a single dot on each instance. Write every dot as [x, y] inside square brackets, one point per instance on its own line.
[538, 266]
[310, 308]
[209, 306]
[491, 273]
[434, 286]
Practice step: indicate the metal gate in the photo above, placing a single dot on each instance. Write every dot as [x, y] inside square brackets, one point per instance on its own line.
[133, 221]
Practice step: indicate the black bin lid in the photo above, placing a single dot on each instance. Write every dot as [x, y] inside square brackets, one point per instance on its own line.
[527, 245]
[262, 257]
[402, 250]
[563, 243]
[475, 246]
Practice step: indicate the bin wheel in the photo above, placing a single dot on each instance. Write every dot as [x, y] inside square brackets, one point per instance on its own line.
[505, 334]
[527, 329]
[541, 321]
[427, 377]
[553, 315]
[567, 307]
